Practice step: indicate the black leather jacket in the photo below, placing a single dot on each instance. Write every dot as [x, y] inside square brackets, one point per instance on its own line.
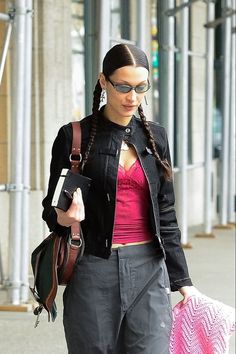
[102, 168]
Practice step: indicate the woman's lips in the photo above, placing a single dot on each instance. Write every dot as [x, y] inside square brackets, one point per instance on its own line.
[129, 107]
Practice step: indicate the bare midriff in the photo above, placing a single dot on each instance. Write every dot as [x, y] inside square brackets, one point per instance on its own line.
[117, 245]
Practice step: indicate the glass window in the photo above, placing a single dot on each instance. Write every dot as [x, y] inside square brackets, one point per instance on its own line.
[123, 21]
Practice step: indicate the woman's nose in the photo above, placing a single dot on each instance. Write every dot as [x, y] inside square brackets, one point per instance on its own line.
[132, 95]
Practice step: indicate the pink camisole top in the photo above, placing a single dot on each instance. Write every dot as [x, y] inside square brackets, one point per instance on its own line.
[132, 206]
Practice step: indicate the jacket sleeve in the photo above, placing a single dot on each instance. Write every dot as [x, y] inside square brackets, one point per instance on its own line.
[169, 230]
[59, 159]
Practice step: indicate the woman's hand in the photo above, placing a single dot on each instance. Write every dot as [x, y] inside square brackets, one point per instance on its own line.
[74, 213]
[188, 291]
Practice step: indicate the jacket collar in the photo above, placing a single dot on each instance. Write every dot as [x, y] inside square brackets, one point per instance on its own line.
[107, 124]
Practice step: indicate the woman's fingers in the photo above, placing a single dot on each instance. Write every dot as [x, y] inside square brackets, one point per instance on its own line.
[188, 291]
[77, 206]
[62, 218]
[75, 211]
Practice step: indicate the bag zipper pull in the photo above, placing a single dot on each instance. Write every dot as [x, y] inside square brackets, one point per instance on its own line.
[37, 312]
[37, 321]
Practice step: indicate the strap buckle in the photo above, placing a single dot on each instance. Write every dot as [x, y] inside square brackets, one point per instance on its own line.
[75, 157]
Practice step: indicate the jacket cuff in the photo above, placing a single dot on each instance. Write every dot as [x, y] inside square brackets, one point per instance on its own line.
[54, 226]
[177, 284]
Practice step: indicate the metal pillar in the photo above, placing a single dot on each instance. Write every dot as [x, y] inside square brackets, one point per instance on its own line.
[209, 95]
[104, 32]
[224, 192]
[232, 132]
[16, 154]
[26, 155]
[1, 268]
[10, 19]
[167, 68]
[141, 18]
[91, 59]
[183, 121]
[36, 94]
[171, 80]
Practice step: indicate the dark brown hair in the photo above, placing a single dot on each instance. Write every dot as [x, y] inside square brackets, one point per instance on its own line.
[118, 56]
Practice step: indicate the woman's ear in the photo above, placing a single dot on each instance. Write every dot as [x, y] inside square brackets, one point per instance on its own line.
[102, 81]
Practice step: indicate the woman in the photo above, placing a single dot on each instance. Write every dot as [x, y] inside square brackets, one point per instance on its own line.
[118, 300]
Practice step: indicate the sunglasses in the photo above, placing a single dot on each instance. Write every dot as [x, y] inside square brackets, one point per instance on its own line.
[127, 88]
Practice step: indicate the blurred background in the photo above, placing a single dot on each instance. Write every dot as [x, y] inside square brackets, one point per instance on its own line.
[51, 55]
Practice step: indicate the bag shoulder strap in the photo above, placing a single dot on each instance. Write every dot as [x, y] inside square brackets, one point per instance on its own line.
[75, 160]
[75, 156]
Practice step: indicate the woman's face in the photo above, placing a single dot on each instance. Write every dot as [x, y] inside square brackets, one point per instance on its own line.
[121, 106]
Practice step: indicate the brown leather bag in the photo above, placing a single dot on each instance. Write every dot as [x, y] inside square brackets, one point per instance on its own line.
[54, 259]
[71, 247]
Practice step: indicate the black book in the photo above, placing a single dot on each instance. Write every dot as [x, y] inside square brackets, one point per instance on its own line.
[67, 184]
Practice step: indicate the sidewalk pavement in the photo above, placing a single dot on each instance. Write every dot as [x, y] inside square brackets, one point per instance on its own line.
[212, 267]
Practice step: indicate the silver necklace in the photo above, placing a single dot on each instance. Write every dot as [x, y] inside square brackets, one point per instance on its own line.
[124, 146]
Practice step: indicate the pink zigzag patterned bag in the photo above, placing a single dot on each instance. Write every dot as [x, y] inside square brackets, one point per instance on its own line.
[201, 326]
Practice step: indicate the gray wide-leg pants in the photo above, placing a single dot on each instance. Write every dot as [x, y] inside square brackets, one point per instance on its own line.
[120, 305]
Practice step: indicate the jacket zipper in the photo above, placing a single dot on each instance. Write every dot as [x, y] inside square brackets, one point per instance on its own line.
[108, 198]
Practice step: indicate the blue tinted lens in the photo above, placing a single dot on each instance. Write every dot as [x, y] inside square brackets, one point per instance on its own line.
[143, 88]
[123, 88]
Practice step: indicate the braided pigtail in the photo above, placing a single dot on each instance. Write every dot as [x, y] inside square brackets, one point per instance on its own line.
[164, 163]
[96, 102]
